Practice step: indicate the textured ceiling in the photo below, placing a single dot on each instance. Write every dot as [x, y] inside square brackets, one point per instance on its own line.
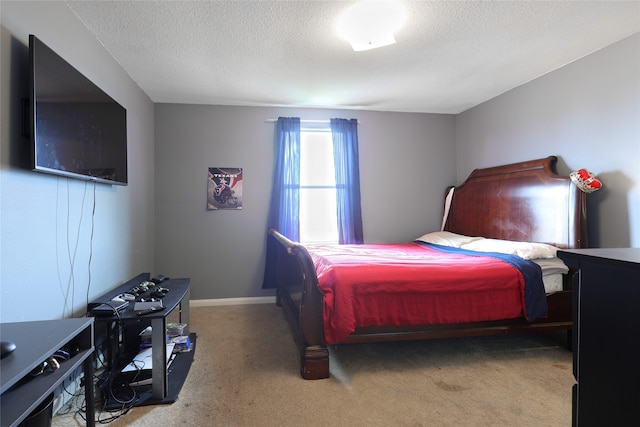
[450, 55]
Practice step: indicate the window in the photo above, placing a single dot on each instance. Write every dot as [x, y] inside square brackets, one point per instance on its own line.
[320, 216]
[318, 212]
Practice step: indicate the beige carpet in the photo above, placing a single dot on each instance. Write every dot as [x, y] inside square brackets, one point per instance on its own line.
[245, 373]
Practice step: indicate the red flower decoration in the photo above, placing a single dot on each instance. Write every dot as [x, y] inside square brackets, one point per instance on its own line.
[585, 180]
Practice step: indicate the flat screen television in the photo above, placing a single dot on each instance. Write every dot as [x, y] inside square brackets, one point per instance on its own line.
[76, 129]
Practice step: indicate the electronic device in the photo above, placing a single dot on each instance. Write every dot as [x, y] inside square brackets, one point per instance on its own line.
[6, 348]
[139, 371]
[128, 297]
[75, 128]
[159, 279]
[159, 292]
[149, 311]
[147, 305]
[111, 308]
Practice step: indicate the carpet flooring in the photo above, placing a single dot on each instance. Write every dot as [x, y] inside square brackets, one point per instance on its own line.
[246, 373]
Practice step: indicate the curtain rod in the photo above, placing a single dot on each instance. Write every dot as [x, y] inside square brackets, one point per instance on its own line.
[303, 121]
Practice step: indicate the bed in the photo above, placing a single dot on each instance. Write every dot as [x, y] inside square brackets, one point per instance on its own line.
[526, 204]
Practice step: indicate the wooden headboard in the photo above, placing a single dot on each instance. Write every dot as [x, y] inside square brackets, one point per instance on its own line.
[524, 201]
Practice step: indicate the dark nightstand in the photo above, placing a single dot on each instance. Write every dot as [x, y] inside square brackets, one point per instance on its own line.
[606, 341]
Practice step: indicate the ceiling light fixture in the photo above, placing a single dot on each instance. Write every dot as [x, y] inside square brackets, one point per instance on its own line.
[369, 24]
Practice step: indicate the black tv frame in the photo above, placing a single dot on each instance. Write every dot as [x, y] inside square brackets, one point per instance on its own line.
[92, 142]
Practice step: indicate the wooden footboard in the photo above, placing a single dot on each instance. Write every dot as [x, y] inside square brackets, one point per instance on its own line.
[301, 300]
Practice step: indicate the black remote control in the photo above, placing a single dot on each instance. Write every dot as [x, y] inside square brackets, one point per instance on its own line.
[151, 310]
[159, 279]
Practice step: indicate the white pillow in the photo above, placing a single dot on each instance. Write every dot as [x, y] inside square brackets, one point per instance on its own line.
[532, 250]
[491, 245]
[526, 250]
[447, 238]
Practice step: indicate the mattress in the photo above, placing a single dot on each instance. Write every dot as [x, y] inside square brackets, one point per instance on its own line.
[553, 271]
[552, 283]
[417, 283]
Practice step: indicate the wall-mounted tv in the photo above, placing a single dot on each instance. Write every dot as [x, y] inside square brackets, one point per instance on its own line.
[76, 129]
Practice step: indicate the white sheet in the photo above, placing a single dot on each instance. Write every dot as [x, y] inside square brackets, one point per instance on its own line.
[552, 283]
[553, 271]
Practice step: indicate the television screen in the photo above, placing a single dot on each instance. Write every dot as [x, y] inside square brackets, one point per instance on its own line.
[77, 130]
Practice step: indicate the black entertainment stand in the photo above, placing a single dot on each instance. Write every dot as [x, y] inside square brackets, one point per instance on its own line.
[116, 345]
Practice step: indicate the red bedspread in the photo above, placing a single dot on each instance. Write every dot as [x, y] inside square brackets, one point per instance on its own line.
[411, 284]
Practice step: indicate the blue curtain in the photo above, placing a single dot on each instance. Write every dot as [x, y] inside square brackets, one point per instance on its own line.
[345, 153]
[284, 211]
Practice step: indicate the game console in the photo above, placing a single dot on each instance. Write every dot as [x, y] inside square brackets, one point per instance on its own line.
[111, 308]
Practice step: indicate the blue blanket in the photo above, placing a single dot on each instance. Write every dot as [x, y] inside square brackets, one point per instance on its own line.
[535, 300]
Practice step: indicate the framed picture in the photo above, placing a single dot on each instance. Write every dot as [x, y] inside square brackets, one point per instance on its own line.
[224, 188]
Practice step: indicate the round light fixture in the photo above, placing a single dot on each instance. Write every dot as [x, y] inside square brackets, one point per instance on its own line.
[370, 24]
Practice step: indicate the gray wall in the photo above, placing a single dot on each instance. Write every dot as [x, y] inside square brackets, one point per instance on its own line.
[406, 161]
[49, 262]
[587, 113]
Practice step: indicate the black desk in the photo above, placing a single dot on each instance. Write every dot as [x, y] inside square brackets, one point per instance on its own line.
[606, 341]
[35, 342]
[179, 292]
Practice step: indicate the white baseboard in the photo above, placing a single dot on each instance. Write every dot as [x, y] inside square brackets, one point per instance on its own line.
[231, 301]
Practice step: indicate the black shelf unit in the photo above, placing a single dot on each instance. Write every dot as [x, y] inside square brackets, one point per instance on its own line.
[35, 342]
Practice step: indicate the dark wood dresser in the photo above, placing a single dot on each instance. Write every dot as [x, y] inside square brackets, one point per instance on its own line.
[606, 336]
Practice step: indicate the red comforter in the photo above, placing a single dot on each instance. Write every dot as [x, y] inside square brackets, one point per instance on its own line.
[411, 284]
